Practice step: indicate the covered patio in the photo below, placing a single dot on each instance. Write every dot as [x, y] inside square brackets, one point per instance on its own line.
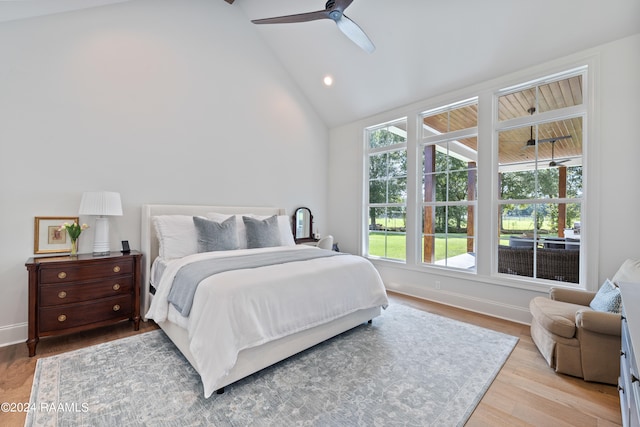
[540, 179]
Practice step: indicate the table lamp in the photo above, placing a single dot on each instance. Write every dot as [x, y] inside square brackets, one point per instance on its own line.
[102, 204]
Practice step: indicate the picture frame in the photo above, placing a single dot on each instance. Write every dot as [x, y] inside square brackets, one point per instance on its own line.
[47, 236]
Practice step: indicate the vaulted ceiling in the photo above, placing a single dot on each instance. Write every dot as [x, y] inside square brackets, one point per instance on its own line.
[423, 48]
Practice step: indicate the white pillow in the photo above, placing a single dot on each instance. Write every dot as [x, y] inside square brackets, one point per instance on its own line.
[629, 271]
[177, 235]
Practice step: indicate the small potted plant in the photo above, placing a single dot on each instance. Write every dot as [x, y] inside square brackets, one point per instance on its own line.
[74, 230]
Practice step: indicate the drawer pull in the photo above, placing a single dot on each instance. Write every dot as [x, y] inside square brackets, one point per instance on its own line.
[116, 307]
[62, 294]
[62, 275]
[116, 269]
[116, 287]
[62, 318]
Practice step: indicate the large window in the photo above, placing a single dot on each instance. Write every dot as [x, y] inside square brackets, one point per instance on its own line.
[512, 156]
[448, 148]
[387, 190]
[540, 179]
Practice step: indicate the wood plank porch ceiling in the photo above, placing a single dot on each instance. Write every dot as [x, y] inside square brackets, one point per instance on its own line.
[512, 144]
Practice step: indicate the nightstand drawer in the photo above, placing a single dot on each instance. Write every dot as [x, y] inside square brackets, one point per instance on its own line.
[70, 316]
[98, 270]
[67, 293]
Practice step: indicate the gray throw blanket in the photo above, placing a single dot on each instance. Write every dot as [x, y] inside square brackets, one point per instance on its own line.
[189, 276]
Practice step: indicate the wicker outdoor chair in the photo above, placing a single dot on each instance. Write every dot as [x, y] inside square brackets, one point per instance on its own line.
[553, 264]
[558, 264]
[515, 260]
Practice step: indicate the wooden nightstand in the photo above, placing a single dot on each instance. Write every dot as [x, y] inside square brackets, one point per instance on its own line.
[72, 294]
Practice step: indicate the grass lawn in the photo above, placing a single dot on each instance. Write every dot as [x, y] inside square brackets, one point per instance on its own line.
[396, 247]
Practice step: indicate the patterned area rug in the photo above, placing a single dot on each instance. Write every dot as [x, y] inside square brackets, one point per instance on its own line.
[408, 368]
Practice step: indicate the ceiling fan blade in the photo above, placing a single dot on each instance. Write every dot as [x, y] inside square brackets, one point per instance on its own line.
[555, 163]
[300, 17]
[355, 33]
[554, 139]
[341, 5]
[229, 1]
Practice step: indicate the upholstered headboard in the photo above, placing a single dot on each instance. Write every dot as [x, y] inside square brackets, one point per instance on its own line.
[149, 239]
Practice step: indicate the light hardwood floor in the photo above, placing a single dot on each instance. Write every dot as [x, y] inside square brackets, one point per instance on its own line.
[525, 393]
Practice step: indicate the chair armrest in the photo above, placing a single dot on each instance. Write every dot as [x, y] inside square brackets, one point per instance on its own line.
[599, 321]
[573, 296]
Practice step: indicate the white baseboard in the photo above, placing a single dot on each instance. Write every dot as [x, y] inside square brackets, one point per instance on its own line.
[13, 334]
[488, 307]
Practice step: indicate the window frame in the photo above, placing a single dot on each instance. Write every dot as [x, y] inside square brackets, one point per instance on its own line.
[436, 140]
[545, 117]
[367, 165]
[487, 187]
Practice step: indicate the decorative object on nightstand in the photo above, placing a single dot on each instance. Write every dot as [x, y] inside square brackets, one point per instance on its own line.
[74, 230]
[303, 226]
[47, 236]
[103, 204]
[72, 294]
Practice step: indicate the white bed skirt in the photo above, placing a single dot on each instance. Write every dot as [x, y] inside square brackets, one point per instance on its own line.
[253, 359]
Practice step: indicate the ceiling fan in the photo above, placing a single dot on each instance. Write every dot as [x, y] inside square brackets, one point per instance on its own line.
[554, 163]
[532, 141]
[334, 9]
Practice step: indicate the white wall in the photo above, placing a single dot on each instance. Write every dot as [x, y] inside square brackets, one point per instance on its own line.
[164, 101]
[613, 176]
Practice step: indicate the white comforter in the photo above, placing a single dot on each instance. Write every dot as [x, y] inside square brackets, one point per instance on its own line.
[241, 309]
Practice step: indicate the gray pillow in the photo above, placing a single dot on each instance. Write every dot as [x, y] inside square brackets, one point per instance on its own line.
[263, 233]
[216, 236]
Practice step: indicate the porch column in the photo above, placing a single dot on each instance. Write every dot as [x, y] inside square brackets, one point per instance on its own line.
[562, 193]
[471, 196]
[499, 206]
[429, 227]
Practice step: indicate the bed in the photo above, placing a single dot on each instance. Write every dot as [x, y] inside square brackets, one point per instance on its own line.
[268, 301]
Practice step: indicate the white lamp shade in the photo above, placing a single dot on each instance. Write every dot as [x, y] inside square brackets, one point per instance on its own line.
[103, 203]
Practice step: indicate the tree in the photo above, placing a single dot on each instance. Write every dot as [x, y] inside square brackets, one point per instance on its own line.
[387, 172]
[451, 185]
[541, 184]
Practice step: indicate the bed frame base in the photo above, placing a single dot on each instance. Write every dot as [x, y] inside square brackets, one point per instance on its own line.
[254, 359]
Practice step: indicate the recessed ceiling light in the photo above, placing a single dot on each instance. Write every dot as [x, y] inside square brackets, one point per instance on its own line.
[328, 80]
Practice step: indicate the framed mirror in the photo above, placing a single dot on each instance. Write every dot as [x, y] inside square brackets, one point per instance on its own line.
[303, 225]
